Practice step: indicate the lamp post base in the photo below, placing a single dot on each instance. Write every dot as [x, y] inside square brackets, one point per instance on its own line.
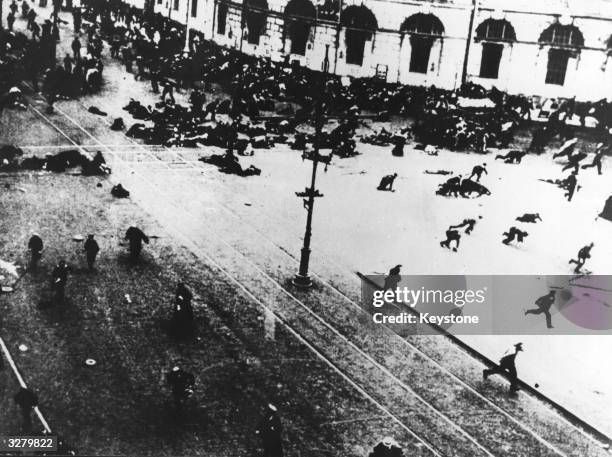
[303, 282]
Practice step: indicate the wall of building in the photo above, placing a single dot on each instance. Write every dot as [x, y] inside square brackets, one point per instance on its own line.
[523, 63]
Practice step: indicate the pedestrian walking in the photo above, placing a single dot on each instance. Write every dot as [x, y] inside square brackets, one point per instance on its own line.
[76, 48]
[543, 304]
[35, 245]
[10, 20]
[91, 249]
[270, 431]
[135, 236]
[507, 367]
[183, 311]
[26, 400]
[59, 278]
[182, 385]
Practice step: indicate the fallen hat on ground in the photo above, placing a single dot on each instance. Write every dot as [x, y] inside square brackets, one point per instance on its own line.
[90, 362]
[77, 238]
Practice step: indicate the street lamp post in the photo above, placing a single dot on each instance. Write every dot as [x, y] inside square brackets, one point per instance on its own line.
[187, 26]
[302, 278]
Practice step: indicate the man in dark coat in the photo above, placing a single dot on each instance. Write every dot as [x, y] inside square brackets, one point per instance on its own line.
[182, 384]
[583, 255]
[35, 245]
[386, 183]
[507, 366]
[91, 249]
[478, 170]
[76, 48]
[10, 20]
[183, 311]
[570, 184]
[544, 303]
[393, 278]
[599, 153]
[59, 278]
[26, 400]
[270, 430]
[135, 236]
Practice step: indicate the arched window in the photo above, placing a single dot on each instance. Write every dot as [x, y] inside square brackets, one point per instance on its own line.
[562, 36]
[564, 40]
[255, 17]
[424, 29]
[360, 24]
[492, 33]
[495, 30]
[299, 15]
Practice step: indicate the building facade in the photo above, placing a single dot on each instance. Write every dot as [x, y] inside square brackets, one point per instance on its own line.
[551, 48]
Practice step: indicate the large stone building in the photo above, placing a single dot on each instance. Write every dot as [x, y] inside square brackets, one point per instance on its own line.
[552, 48]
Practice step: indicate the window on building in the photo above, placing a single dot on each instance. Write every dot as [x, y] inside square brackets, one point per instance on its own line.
[299, 16]
[562, 35]
[194, 8]
[255, 17]
[360, 25]
[221, 18]
[495, 30]
[557, 66]
[491, 57]
[424, 29]
[176, 5]
[419, 56]
[355, 46]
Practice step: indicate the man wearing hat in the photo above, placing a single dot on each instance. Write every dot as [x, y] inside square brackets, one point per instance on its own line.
[270, 430]
[507, 366]
[182, 384]
[91, 249]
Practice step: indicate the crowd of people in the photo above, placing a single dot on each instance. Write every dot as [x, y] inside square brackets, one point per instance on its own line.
[33, 59]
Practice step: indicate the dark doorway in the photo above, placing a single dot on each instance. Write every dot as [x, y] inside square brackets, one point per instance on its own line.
[221, 18]
[360, 25]
[299, 16]
[557, 66]
[419, 56]
[491, 57]
[255, 16]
